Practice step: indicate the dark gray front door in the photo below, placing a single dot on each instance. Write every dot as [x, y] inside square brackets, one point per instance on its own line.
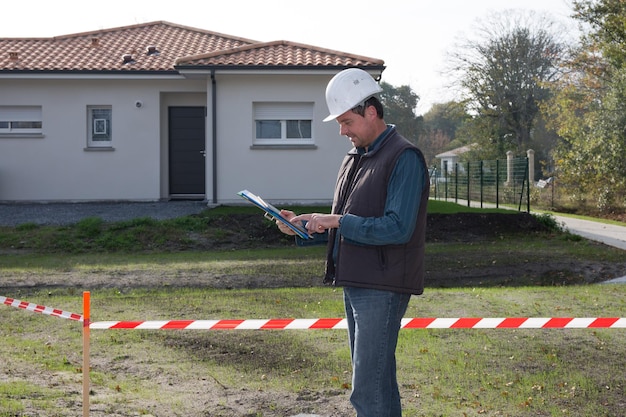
[187, 154]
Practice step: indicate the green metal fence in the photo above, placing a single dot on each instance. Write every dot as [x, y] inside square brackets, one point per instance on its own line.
[499, 182]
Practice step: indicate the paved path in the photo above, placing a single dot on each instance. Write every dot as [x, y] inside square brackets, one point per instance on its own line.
[608, 234]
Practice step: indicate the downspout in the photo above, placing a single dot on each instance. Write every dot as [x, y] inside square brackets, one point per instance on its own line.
[214, 134]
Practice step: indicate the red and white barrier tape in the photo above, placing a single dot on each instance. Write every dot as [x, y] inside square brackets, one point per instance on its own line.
[335, 323]
[40, 309]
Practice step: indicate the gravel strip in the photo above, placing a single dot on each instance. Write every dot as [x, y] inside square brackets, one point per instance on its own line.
[58, 214]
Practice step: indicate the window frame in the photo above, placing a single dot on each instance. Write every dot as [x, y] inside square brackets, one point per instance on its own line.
[281, 113]
[12, 117]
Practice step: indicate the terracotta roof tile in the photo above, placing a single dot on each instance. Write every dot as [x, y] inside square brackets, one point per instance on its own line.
[159, 47]
[104, 50]
[278, 54]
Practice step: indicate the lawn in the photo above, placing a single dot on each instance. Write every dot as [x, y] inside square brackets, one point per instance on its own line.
[267, 373]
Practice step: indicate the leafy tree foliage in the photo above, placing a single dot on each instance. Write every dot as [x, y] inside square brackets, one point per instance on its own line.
[445, 118]
[589, 109]
[440, 127]
[606, 19]
[400, 104]
[503, 74]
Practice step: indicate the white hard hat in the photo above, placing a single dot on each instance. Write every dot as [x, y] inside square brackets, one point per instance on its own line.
[348, 89]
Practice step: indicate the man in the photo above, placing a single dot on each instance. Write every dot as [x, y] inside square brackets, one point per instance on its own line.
[376, 236]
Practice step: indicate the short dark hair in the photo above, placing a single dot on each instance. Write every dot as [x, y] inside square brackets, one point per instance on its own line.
[372, 101]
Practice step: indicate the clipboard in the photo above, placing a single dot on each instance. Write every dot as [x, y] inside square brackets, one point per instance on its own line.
[273, 214]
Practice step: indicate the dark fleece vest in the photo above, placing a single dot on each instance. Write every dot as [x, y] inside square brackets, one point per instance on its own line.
[361, 190]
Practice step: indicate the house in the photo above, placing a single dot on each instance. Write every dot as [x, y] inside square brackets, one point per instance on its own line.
[450, 158]
[160, 111]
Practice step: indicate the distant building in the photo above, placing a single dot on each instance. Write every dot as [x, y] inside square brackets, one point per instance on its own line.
[451, 157]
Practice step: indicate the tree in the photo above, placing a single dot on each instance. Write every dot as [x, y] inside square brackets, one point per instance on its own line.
[445, 118]
[503, 74]
[606, 19]
[589, 109]
[591, 159]
[400, 104]
[440, 126]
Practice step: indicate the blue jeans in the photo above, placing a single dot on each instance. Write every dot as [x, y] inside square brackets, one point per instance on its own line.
[373, 325]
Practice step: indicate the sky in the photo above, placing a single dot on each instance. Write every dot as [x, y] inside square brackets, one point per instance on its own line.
[413, 37]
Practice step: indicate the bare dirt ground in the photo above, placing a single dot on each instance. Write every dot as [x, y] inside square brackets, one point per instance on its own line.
[206, 396]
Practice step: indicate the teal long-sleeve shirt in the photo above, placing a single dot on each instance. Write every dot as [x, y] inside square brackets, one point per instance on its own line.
[404, 192]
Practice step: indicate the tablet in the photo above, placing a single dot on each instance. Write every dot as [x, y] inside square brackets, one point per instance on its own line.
[272, 213]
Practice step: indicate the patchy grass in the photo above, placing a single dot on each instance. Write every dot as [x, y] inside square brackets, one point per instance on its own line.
[496, 372]
[246, 373]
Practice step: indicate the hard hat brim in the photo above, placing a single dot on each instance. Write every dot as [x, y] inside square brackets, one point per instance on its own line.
[331, 117]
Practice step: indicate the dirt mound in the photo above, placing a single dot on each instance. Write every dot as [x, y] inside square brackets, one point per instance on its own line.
[480, 263]
[472, 226]
[245, 230]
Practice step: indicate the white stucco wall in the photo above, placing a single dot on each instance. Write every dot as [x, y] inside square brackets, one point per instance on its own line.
[278, 175]
[58, 167]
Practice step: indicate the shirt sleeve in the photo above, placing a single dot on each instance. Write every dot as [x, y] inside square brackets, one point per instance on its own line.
[404, 193]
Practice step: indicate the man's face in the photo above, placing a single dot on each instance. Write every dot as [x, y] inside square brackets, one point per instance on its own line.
[359, 129]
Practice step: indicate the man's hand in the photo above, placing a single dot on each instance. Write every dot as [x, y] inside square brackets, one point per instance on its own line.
[318, 223]
[289, 215]
[315, 222]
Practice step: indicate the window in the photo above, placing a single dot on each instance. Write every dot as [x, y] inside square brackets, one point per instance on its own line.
[99, 126]
[20, 120]
[285, 123]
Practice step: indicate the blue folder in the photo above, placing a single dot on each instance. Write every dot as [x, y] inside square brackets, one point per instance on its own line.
[273, 214]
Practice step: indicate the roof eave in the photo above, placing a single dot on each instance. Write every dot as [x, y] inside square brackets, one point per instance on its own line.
[207, 69]
[88, 73]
